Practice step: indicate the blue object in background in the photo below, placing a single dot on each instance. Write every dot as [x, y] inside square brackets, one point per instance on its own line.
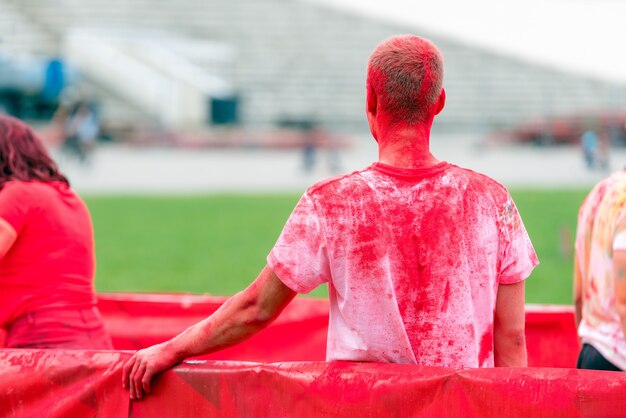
[54, 82]
[31, 86]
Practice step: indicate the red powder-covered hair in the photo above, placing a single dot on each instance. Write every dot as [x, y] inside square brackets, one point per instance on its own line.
[406, 73]
[23, 156]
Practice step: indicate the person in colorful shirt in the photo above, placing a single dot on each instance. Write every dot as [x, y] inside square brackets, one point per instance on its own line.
[425, 261]
[47, 259]
[600, 276]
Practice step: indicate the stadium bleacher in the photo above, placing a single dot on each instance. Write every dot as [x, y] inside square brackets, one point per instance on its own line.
[297, 58]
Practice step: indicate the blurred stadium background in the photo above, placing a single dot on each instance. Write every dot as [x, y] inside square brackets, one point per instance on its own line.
[214, 116]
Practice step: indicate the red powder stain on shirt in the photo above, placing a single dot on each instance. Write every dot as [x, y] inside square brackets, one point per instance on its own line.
[434, 240]
[446, 298]
[486, 346]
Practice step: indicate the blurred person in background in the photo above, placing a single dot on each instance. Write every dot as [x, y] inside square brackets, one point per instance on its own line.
[310, 144]
[604, 150]
[315, 137]
[47, 261]
[589, 144]
[425, 261]
[81, 130]
[600, 276]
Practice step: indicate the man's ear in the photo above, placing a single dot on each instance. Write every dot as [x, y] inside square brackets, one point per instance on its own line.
[372, 101]
[441, 101]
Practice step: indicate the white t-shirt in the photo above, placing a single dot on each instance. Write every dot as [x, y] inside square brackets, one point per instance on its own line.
[413, 259]
[601, 230]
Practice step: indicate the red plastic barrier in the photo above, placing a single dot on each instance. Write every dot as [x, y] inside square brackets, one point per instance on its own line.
[140, 320]
[54, 383]
[299, 334]
[551, 337]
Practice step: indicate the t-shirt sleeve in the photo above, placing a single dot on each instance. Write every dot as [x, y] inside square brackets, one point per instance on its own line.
[619, 235]
[517, 255]
[14, 205]
[299, 257]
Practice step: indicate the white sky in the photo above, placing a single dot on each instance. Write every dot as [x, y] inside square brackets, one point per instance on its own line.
[580, 36]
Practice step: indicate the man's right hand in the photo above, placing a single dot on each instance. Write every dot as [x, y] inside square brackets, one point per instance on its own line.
[143, 365]
[240, 317]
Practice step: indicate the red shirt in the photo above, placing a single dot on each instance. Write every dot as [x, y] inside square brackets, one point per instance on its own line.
[413, 259]
[52, 262]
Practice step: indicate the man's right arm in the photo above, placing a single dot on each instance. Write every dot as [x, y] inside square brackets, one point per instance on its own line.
[509, 335]
[240, 317]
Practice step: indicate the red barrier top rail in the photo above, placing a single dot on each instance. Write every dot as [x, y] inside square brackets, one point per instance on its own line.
[299, 334]
[56, 383]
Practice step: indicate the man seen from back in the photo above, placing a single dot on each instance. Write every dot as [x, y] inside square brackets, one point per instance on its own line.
[425, 261]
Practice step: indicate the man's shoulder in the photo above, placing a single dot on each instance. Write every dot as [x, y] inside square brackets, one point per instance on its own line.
[616, 180]
[478, 181]
[597, 193]
[335, 183]
[612, 187]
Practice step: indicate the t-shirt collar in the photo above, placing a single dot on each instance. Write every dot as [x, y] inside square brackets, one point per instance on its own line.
[410, 172]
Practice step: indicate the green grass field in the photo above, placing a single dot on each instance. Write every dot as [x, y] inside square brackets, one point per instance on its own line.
[218, 244]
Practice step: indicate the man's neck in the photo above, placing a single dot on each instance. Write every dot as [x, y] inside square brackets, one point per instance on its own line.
[406, 146]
